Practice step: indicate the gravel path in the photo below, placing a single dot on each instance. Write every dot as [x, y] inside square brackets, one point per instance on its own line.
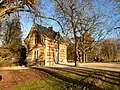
[102, 66]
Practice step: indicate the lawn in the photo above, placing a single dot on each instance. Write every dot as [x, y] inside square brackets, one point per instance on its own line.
[47, 83]
[49, 78]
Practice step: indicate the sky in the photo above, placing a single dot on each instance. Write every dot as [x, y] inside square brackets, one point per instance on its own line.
[48, 10]
[27, 20]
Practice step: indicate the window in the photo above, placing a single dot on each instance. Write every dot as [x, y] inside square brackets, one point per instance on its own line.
[42, 39]
[36, 39]
[36, 54]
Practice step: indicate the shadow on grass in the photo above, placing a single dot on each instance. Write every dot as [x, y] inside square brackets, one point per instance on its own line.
[92, 69]
[93, 74]
[80, 83]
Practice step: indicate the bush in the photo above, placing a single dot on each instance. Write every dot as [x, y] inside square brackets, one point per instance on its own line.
[22, 57]
[6, 57]
[1, 59]
[4, 52]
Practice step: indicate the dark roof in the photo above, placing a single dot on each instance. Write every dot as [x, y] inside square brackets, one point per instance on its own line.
[49, 32]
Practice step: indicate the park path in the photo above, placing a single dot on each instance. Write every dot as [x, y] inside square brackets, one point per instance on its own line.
[101, 66]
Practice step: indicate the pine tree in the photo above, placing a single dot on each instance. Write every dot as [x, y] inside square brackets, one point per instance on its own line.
[12, 38]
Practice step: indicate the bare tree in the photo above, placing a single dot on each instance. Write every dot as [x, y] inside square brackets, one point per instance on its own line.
[109, 50]
[11, 6]
[117, 14]
[84, 46]
[78, 17]
[11, 30]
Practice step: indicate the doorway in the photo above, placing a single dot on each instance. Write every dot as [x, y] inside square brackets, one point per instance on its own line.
[56, 57]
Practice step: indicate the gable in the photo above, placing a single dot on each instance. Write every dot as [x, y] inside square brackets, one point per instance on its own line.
[43, 31]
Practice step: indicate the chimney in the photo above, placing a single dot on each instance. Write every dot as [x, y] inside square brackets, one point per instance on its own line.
[51, 28]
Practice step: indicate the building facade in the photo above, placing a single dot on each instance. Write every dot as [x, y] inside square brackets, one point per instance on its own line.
[45, 46]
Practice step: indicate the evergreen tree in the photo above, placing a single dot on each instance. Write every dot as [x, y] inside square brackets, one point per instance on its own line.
[12, 39]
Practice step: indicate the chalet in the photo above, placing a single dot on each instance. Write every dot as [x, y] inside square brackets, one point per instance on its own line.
[45, 46]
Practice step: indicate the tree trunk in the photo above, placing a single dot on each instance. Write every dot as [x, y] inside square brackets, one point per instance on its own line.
[82, 57]
[75, 47]
[85, 58]
[79, 56]
[75, 53]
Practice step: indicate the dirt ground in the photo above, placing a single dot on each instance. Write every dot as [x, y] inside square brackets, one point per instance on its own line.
[9, 78]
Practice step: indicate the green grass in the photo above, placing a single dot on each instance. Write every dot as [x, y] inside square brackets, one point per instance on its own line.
[92, 80]
[47, 83]
[51, 83]
[68, 74]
